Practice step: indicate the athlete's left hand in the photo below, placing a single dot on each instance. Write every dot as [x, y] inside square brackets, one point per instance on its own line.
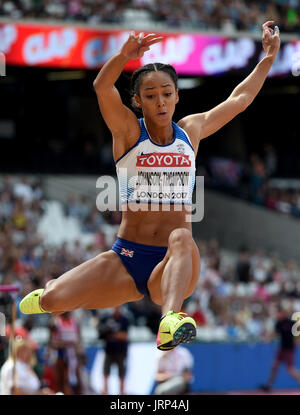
[270, 39]
[136, 45]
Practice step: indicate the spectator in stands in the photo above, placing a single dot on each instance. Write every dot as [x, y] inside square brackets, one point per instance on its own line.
[271, 198]
[194, 309]
[23, 190]
[100, 240]
[230, 15]
[24, 381]
[93, 221]
[83, 207]
[174, 372]
[113, 329]
[286, 351]
[255, 326]
[6, 206]
[65, 339]
[257, 179]
[284, 204]
[260, 265]
[86, 388]
[78, 251]
[212, 274]
[23, 332]
[3, 349]
[243, 266]
[270, 159]
[72, 206]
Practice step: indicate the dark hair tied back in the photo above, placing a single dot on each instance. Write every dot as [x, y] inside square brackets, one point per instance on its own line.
[137, 76]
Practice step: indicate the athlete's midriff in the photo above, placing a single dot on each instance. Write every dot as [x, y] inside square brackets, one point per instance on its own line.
[153, 227]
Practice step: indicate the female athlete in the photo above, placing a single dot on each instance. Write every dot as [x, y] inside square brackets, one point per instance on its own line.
[155, 253]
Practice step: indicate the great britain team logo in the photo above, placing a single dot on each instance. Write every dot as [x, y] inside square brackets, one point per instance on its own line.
[163, 160]
[180, 148]
[127, 252]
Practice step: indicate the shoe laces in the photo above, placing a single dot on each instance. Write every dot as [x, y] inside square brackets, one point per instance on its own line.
[181, 315]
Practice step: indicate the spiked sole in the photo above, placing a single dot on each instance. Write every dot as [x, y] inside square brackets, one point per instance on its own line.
[184, 334]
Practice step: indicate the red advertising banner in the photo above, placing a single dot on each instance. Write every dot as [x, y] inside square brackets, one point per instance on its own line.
[63, 46]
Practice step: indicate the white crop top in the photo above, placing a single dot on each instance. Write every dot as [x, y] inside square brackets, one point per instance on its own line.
[156, 173]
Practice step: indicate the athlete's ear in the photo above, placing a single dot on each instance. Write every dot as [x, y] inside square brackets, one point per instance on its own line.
[137, 101]
[177, 96]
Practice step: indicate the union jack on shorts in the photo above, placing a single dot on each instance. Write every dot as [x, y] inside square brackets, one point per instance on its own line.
[127, 252]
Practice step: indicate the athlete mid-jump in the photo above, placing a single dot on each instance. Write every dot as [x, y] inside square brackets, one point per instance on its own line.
[155, 253]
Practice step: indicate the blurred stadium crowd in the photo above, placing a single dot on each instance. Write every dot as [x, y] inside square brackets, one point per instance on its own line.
[254, 181]
[195, 14]
[236, 298]
[236, 292]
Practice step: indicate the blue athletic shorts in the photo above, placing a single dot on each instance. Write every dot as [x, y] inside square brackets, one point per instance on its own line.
[139, 260]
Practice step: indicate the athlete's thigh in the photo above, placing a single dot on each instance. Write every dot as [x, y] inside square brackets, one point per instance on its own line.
[154, 282]
[100, 282]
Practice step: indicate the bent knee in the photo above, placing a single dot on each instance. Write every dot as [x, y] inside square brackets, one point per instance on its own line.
[181, 238]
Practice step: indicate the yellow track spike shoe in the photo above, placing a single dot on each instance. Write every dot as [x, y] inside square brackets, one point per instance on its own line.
[175, 328]
[31, 303]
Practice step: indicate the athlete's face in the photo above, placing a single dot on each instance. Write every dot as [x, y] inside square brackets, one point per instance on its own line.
[158, 97]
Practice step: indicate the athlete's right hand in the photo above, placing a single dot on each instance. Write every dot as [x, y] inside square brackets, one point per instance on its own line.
[136, 45]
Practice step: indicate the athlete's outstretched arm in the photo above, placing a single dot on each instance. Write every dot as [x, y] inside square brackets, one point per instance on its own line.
[119, 118]
[211, 121]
